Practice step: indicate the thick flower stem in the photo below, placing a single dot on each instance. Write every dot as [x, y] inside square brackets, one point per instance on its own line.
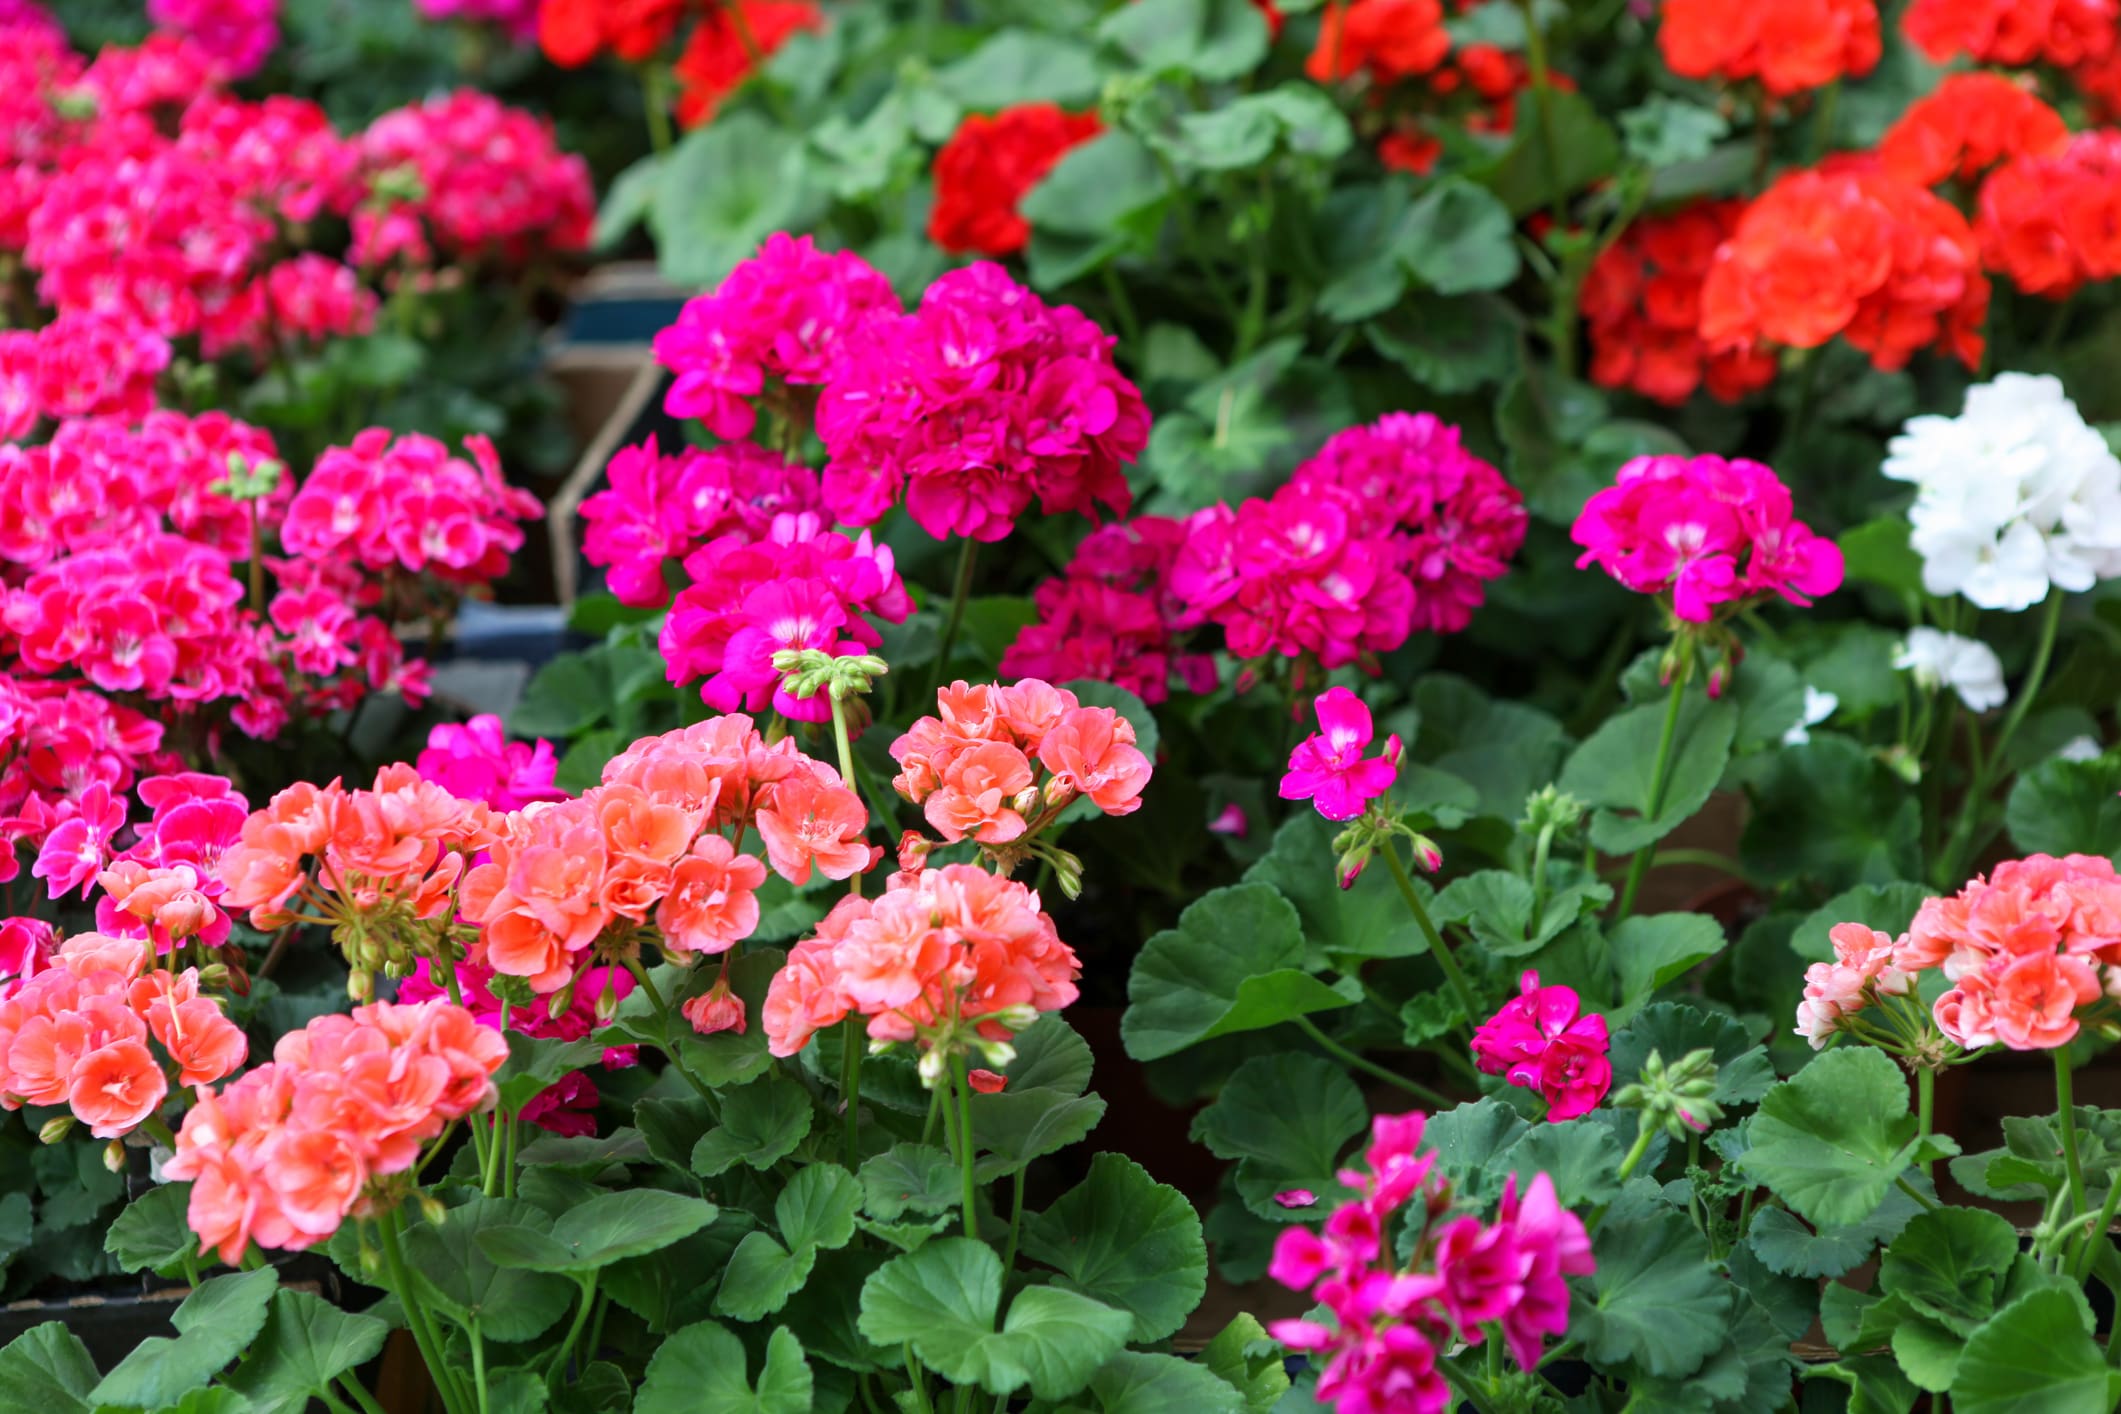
[1437, 947]
[963, 1097]
[960, 592]
[1660, 781]
[1952, 863]
[655, 104]
[669, 1047]
[2066, 1121]
[2096, 1232]
[1345, 1056]
[1925, 1109]
[851, 1086]
[845, 744]
[1642, 1146]
[417, 1317]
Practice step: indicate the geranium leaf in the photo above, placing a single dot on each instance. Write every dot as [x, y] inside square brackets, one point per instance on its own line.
[214, 1324]
[2035, 1357]
[1675, 1029]
[1653, 949]
[1232, 964]
[2068, 807]
[818, 1207]
[152, 1232]
[1244, 1357]
[48, 1369]
[761, 1276]
[1785, 1245]
[452, 1268]
[1946, 1264]
[910, 1178]
[306, 1344]
[1656, 1298]
[1125, 1239]
[761, 1124]
[1831, 1139]
[703, 1370]
[607, 1228]
[1136, 1382]
[1288, 1119]
[1614, 768]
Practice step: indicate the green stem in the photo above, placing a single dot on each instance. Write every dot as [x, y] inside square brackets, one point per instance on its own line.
[1915, 1193]
[964, 1141]
[478, 1364]
[1016, 1221]
[360, 1394]
[417, 1317]
[1535, 45]
[960, 591]
[1130, 328]
[1539, 872]
[1925, 1108]
[1660, 780]
[2096, 1233]
[332, 1402]
[845, 744]
[1437, 946]
[662, 1015]
[2066, 1121]
[920, 1386]
[655, 102]
[1347, 1057]
[1823, 121]
[574, 1332]
[851, 1085]
[1953, 863]
[1643, 1135]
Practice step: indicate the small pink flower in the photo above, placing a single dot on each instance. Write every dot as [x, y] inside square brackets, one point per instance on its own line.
[1328, 768]
[987, 1082]
[1230, 821]
[1540, 1040]
[1296, 1198]
[716, 1009]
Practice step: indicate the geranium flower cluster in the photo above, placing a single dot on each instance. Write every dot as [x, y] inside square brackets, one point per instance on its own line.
[1543, 1040]
[1789, 47]
[996, 765]
[989, 165]
[951, 959]
[68, 758]
[2047, 219]
[572, 32]
[2011, 32]
[1966, 125]
[76, 1035]
[239, 34]
[657, 508]
[285, 1154]
[1967, 666]
[1641, 303]
[1390, 1318]
[731, 40]
[1476, 87]
[167, 888]
[1381, 40]
[1329, 767]
[2026, 949]
[1714, 533]
[577, 881]
[83, 363]
[476, 761]
[979, 401]
[464, 177]
[799, 586]
[2016, 497]
[786, 316]
[1849, 250]
[1111, 616]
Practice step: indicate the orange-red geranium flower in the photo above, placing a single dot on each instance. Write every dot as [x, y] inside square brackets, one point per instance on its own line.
[2051, 223]
[1970, 122]
[728, 43]
[1386, 39]
[987, 167]
[572, 32]
[2062, 32]
[1788, 45]
[1642, 304]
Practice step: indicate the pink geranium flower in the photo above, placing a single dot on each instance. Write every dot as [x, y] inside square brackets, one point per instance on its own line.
[1328, 767]
[1542, 1040]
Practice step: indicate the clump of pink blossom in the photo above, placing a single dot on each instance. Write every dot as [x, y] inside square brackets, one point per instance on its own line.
[1453, 517]
[1711, 532]
[1328, 767]
[82, 364]
[801, 586]
[660, 508]
[1111, 616]
[1543, 1040]
[787, 314]
[167, 886]
[1862, 971]
[974, 405]
[1390, 1318]
[238, 33]
[476, 761]
[464, 176]
[72, 756]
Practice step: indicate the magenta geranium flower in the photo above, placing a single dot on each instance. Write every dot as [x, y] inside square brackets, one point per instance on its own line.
[1542, 1040]
[1328, 767]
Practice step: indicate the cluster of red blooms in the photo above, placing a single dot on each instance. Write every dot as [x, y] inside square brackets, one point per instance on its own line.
[995, 765]
[1848, 249]
[1111, 616]
[989, 165]
[1382, 40]
[2063, 33]
[657, 508]
[731, 39]
[1787, 47]
[1641, 303]
[1966, 125]
[2051, 222]
[76, 1033]
[284, 1155]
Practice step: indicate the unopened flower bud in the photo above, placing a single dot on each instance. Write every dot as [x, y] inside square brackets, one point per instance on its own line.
[214, 974]
[1550, 807]
[1067, 872]
[114, 1156]
[1016, 1017]
[1394, 749]
[561, 1002]
[371, 1263]
[1426, 854]
[913, 851]
[998, 1054]
[1902, 763]
[1060, 790]
[432, 1208]
[932, 1068]
[607, 1008]
[360, 985]
[1025, 801]
[55, 1129]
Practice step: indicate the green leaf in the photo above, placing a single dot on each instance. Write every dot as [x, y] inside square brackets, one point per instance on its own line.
[2068, 807]
[761, 1276]
[1652, 949]
[48, 1369]
[1582, 1160]
[626, 204]
[1470, 1141]
[1447, 345]
[1124, 1239]
[1244, 1357]
[761, 1124]
[213, 1325]
[1216, 40]
[1946, 1264]
[453, 1270]
[1666, 131]
[703, 1370]
[1496, 905]
[817, 1207]
[1614, 767]
[1456, 238]
[536, 1062]
[909, 1178]
[306, 1344]
[943, 1300]
[1043, 1109]
[152, 1232]
[725, 188]
[1368, 919]
[1784, 1245]
[1022, 66]
[2035, 1357]
[1877, 552]
[1829, 811]
[607, 1228]
[1135, 1382]
[1287, 1119]
[1231, 964]
[1831, 1139]
[1096, 188]
[1656, 1298]
[565, 698]
[1675, 1029]
[825, 1312]
[1531, 173]
[1887, 907]
[1429, 1015]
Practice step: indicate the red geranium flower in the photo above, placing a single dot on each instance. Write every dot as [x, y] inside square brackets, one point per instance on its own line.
[2063, 32]
[719, 55]
[987, 166]
[1969, 123]
[2053, 222]
[1386, 39]
[1788, 45]
[572, 32]
[1642, 303]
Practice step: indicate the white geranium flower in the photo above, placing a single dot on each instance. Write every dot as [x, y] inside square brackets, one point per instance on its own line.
[2015, 496]
[1818, 706]
[1967, 666]
[2080, 748]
